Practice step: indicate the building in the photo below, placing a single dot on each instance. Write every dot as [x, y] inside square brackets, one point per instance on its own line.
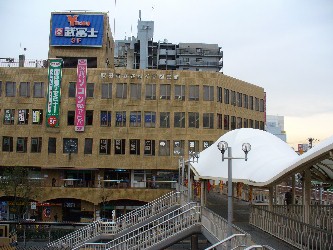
[102, 138]
[143, 52]
[275, 126]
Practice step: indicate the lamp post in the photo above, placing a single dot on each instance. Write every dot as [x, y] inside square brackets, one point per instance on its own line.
[193, 157]
[223, 146]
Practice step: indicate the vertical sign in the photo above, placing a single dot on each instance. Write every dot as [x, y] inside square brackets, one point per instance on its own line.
[53, 93]
[81, 86]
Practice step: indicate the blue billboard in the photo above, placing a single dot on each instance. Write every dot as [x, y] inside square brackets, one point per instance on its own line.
[77, 30]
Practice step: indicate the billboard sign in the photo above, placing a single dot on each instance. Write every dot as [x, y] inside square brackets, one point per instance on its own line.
[53, 92]
[81, 89]
[77, 30]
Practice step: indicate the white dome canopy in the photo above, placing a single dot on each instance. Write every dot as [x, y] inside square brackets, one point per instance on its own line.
[269, 156]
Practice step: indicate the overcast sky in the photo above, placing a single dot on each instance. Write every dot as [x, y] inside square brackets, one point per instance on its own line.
[284, 46]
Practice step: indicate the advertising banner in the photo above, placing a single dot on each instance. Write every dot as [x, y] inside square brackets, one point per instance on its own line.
[81, 90]
[53, 93]
[77, 30]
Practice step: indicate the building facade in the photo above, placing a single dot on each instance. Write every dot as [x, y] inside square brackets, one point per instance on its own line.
[135, 123]
[275, 126]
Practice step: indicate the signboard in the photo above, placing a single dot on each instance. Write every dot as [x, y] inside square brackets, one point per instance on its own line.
[81, 86]
[77, 30]
[53, 93]
[33, 205]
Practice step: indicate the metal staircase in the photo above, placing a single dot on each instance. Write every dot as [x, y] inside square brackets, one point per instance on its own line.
[134, 218]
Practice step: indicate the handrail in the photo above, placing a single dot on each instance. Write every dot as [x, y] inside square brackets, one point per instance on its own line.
[78, 237]
[226, 240]
[155, 231]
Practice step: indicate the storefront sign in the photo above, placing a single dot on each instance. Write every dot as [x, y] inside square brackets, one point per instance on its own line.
[81, 86]
[77, 30]
[139, 76]
[53, 93]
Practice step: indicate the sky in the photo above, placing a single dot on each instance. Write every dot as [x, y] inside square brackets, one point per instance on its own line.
[284, 46]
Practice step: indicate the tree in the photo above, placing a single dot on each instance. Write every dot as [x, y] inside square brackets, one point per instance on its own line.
[15, 182]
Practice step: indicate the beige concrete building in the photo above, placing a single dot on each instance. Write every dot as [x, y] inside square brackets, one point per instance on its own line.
[137, 124]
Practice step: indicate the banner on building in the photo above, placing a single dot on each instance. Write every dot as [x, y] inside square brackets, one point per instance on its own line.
[77, 30]
[81, 90]
[53, 92]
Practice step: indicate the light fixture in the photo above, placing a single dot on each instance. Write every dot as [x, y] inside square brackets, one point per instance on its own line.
[222, 146]
[246, 147]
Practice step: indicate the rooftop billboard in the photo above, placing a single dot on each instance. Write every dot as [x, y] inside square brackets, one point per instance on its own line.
[77, 30]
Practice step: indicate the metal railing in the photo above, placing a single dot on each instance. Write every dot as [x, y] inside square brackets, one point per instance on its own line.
[296, 233]
[235, 241]
[78, 237]
[155, 231]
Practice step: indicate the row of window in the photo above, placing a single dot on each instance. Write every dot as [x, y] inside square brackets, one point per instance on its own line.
[229, 96]
[136, 118]
[105, 147]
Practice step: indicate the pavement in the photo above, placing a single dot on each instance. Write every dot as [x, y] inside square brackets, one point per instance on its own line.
[218, 203]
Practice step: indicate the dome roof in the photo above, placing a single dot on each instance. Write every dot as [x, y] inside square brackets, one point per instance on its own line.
[269, 156]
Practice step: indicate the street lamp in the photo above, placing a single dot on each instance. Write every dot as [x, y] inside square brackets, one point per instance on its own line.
[223, 146]
[193, 157]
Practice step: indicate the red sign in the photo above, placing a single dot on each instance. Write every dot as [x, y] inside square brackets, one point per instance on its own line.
[52, 121]
[80, 110]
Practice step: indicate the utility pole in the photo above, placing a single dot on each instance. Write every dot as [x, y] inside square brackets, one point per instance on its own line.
[311, 140]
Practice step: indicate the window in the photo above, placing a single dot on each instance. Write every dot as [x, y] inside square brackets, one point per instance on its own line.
[262, 126]
[25, 89]
[149, 147]
[239, 122]
[104, 146]
[179, 147]
[208, 93]
[193, 147]
[135, 119]
[150, 91]
[246, 124]
[90, 90]
[70, 117]
[37, 116]
[256, 103]
[180, 92]
[121, 91]
[134, 146]
[0, 88]
[39, 90]
[233, 98]
[150, 119]
[233, 122]
[251, 123]
[226, 96]
[251, 102]
[10, 89]
[206, 144]
[219, 94]
[121, 119]
[208, 120]
[199, 50]
[226, 122]
[106, 90]
[165, 91]
[36, 144]
[256, 126]
[52, 145]
[23, 116]
[164, 148]
[193, 120]
[198, 59]
[88, 144]
[261, 105]
[9, 116]
[21, 144]
[239, 99]
[7, 144]
[194, 93]
[89, 117]
[119, 146]
[135, 91]
[246, 101]
[219, 121]
[165, 120]
[71, 89]
[179, 120]
[105, 118]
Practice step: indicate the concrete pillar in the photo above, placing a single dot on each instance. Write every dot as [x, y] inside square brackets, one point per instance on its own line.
[194, 242]
[203, 193]
[293, 184]
[307, 194]
[271, 194]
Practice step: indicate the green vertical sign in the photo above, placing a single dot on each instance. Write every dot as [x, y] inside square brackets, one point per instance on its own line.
[53, 92]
